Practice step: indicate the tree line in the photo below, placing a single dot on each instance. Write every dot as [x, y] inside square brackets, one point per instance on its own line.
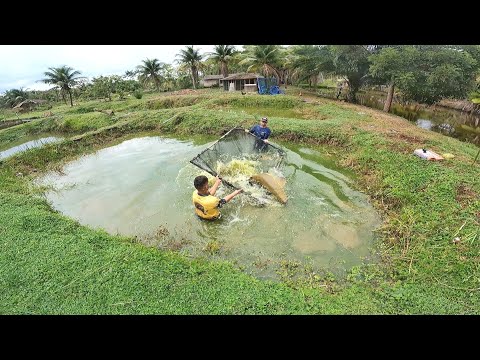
[421, 73]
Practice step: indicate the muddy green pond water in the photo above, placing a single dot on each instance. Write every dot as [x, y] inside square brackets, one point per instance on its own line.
[143, 187]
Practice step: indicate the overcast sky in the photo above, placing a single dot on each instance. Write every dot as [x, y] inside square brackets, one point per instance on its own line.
[23, 65]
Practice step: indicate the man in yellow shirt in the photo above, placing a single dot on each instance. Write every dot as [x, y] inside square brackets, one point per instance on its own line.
[205, 201]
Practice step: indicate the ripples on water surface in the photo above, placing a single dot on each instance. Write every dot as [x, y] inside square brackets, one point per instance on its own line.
[144, 187]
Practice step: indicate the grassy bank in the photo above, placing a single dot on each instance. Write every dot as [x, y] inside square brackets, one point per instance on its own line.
[51, 264]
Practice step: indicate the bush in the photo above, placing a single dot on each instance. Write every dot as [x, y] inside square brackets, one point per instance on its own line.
[138, 94]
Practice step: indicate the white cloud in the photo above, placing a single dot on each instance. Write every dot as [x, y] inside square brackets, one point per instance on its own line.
[24, 65]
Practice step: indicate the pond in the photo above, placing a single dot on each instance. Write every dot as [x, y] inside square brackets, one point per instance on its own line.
[143, 187]
[25, 143]
[462, 125]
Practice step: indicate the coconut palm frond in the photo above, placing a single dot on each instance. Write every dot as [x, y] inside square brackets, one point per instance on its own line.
[63, 77]
[192, 57]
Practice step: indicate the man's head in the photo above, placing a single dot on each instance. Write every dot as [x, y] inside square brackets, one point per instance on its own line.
[200, 182]
[264, 121]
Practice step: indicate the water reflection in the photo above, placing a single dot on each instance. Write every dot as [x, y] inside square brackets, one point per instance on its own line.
[27, 143]
[458, 124]
[424, 124]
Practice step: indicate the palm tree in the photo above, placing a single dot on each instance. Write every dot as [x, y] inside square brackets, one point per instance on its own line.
[191, 57]
[307, 62]
[13, 97]
[168, 75]
[264, 58]
[64, 78]
[210, 67]
[130, 74]
[150, 72]
[222, 55]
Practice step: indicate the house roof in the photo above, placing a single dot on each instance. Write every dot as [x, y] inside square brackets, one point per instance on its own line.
[29, 102]
[242, 76]
[213, 77]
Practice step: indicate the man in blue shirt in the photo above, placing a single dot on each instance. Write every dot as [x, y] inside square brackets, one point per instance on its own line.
[262, 132]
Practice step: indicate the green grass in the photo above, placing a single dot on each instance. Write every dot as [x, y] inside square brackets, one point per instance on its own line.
[53, 265]
[50, 264]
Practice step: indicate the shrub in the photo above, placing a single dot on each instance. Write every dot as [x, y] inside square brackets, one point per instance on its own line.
[138, 94]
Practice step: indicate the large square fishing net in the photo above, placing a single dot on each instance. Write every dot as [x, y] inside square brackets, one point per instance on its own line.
[237, 156]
